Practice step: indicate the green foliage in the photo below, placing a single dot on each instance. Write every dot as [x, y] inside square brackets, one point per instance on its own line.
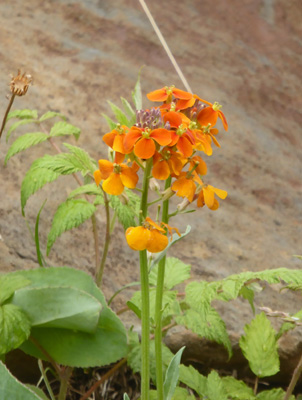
[109, 121]
[69, 214]
[129, 110]
[24, 142]
[51, 114]
[192, 378]
[119, 115]
[62, 128]
[237, 390]
[89, 189]
[172, 375]
[275, 394]
[259, 346]
[11, 388]
[14, 327]
[176, 272]
[23, 114]
[126, 213]
[215, 389]
[16, 125]
[287, 326]
[9, 284]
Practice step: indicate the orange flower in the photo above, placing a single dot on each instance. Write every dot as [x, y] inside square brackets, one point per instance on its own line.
[166, 163]
[115, 138]
[207, 196]
[166, 93]
[185, 186]
[116, 176]
[209, 115]
[150, 236]
[182, 137]
[143, 140]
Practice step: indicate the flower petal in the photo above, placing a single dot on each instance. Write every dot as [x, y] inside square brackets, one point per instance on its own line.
[132, 136]
[118, 144]
[174, 118]
[108, 138]
[137, 237]
[161, 170]
[106, 168]
[157, 241]
[184, 188]
[161, 136]
[113, 185]
[223, 119]
[220, 193]
[184, 146]
[181, 94]
[129, 177]
[144, 148]
[208, 196]
[97, 176]
[158, 95]
[207, 116]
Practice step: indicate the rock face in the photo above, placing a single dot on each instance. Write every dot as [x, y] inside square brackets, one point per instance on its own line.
[246, 55]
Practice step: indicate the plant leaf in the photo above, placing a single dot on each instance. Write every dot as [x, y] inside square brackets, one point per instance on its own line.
[24, 142]
[16, 125]
[129, 110]
[287, 326]
[192, 378]
[69, 214]
[110, 122]
[137, 93]
[126, 213]
[215, 388]
[23, 114]
[62, 128]
[51, 114]
[126, 397]
[236, 389]
[274, 394]
[11, 388]
[89, 189]
[172, 375]
[14, 327]
[37, 240]
[84, 159]
[119, 114]
[259, 346]
[175, 272]
[9, 284]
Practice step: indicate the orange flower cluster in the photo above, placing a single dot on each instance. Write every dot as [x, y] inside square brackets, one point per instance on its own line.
[170, 134]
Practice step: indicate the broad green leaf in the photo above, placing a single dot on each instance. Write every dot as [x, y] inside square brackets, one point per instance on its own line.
[14, 327]
[215, 390]
[119, 114]
[172, 375]
[179, 394]
[192, 378]
[62, 128]
[84, 159]
[89, 189]
[110, 122]
[37, 391]
[51, 114]
[274, 394]
[67, 277]
[12, 389]
[137, 93]
[23, 114]
[206, 322]
[24, 142]
[59, 307]
[9, 284]
[129, 110]
[79, 349]
[126, 213]
[69, 214]
[249, 295]
[259, 346]
[237, 389]
[175, 272]
[16, 125]
[34, 180]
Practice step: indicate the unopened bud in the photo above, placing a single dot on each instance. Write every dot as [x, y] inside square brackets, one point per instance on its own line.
[110, 154]
[183, 205]
[153, 185]
[167, 194]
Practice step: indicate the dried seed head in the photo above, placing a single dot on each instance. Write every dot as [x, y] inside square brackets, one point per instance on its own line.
[20, 83]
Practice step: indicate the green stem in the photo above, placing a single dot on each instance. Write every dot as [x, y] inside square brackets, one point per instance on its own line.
[158, 308]
[65, 376]
[294, 380]
[145, 345]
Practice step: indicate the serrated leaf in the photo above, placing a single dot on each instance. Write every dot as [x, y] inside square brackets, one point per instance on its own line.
[23, 114]
[24, 142]
[215, 390]
[16, 125]
[192, 378]
[119, 114]
[172, 375]
[137, 93]
[126, 213]
[11, 388]
[259, 346]
[249, 295]
[88, 164]
[89, 189]
[79, 349]
[51, 114]
[236, 389]
[199, 294]
[34, 180]
[9, 284]
[274, 394]
[287, 326]
[175, 272]
[206, 322]
[59, 307]
[63, 128]
[110, 122]
[14, 327]
[69, 214]
[182, 394]
[37, 391]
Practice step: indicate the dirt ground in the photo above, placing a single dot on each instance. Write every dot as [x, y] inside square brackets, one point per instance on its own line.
[244, 54]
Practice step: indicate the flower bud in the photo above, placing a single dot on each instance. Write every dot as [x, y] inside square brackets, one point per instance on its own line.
[167, 194]
[154, 185]
[183, 205]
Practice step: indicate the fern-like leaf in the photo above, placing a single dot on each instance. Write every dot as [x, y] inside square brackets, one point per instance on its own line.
[16, 125]
[119, 115]
[62, 128]
[24, 142]
[23, 114]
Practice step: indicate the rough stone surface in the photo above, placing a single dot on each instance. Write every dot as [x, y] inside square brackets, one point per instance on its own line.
[244, 54]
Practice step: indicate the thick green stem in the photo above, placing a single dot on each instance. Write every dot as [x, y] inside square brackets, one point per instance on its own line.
[158, 308]
[65, 376]
[145, 345]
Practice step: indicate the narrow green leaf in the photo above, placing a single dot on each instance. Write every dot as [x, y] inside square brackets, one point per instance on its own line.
[192, 378]
[14, 327]
[89, 189]
[126, 397]
[110, 122]
[137, 310]
[37, 241]
[172, 375]
[119, 114]
[121, 289]
[137, 93]
[69, 214]
[51, 114]
[62, 128]
[129, 110]
[11, 388]
[59, 307]
[9, 284]
[24, 142]
[23, 114]
[259, 346]
[34, 180]
[175, 272]
[215, 390]
[236, 389]
[16, 125]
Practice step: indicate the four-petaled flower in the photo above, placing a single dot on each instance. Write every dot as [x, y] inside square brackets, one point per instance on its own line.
[207, 196]
[165, 94]
[210, 114]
